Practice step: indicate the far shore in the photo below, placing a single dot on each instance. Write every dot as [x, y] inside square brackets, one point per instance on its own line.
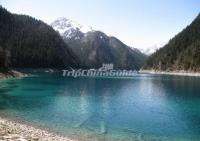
[23, 72]
[181, 72]
[11, 74]
[14, 131]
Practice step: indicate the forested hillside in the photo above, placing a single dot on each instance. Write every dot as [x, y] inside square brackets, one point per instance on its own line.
[181, 53]
[27, 42]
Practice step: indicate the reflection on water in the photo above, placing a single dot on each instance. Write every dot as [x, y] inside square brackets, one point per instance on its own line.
[145, 107]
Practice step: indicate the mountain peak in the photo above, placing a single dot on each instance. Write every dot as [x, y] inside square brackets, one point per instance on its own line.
[69, 28]
[93, 47]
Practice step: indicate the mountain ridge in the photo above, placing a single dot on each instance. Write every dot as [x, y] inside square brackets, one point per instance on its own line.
[95, 47]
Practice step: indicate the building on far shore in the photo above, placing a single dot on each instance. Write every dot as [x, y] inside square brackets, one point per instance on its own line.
[107, 66]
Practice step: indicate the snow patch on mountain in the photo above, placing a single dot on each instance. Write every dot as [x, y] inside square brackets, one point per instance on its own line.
[150, 50]
[69, 28]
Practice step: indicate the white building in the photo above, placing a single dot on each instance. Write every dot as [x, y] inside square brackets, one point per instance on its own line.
[107, 67]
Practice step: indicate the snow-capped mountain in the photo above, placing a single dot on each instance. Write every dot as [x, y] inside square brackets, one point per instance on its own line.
[150, 50]
[95, 47]
[69, 28]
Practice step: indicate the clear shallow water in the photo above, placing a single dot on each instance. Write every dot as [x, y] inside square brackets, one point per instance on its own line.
[145, 107]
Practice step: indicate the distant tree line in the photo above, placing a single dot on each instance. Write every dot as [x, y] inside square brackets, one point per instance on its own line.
[4, 58]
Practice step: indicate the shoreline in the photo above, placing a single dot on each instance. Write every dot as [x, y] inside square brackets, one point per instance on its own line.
[13, 130]
[12, 74]
[178, 73]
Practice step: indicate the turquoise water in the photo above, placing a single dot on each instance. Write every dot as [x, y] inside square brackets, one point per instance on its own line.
[144, 107]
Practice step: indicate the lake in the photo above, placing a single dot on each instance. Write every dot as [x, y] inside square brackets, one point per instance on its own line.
[144, 107]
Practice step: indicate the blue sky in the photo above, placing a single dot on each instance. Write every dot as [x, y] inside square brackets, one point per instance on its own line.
[138, 23]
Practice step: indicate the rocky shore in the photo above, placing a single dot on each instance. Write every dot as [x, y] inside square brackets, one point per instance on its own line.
[11, 74]
[13, 131]
[181, 72]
